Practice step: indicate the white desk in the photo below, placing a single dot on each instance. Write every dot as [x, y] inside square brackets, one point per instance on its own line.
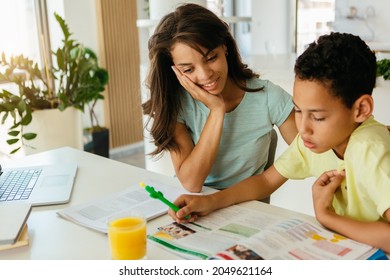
[52, 237]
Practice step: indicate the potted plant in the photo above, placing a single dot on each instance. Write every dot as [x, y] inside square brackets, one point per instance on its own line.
[97, 135]
[383, 68]
[75, 81]
[383, 72]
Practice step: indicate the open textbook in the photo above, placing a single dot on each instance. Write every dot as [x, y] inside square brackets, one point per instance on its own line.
[237, 232]
[95, 214]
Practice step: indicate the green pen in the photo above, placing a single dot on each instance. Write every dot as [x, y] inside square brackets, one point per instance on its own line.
[160, 196]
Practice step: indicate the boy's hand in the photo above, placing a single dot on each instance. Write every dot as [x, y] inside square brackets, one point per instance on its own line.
[323, 191]
[192, 206]
[210, 100]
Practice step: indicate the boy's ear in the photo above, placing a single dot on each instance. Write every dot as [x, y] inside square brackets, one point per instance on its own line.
[363, 108]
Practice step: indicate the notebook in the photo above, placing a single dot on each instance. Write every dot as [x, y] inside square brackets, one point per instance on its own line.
[13, 217]
[38, 185]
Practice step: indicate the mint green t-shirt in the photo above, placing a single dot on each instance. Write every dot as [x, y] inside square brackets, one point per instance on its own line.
[246, 134]
[365, 192]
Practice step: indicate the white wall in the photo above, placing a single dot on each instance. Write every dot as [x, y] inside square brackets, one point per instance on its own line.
[243, 33]
[272, 28]
[272, 23]
[81, 19]
[372, 22]
[143, 33]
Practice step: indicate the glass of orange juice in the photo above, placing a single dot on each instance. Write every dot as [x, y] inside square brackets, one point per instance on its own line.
[127, 236]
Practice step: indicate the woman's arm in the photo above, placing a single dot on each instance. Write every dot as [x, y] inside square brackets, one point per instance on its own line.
[288, 129]
[193, 162]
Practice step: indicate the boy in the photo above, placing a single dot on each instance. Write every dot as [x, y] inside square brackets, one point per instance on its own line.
[339, 142]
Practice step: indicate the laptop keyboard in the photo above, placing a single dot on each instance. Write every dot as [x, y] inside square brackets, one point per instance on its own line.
[18, 184]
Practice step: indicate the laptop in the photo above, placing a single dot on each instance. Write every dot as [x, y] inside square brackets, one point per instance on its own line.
[38, 185]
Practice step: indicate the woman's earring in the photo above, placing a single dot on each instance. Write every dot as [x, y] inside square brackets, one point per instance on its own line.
[226, 53]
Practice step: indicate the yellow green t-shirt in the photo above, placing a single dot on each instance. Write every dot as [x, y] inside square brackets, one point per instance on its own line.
[365, 192]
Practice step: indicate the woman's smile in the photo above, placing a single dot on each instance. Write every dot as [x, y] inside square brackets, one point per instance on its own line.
[210, 86]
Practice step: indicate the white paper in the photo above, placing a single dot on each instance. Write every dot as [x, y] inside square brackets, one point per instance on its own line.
[95, 214]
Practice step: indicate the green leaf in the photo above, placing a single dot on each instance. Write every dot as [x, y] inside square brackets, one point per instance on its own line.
[16, 124]
[63, 25]
[12, 141]
[383, 68]
[8, 106]
[60, 59]
[4, 118]
[26, 119]
[22, 106]
[3, 59]
[29, 136]
[14, 151]
[13, 133]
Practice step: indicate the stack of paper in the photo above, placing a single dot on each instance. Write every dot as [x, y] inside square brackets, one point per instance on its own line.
[23, 240]
[13, 217]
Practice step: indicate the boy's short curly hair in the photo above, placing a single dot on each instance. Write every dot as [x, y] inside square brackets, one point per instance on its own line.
[341, 61]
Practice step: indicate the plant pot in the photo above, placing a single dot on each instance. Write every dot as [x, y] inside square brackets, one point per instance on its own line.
[54, 129]
[99, 143]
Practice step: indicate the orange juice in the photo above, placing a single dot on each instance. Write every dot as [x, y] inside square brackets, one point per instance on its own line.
[127, 238]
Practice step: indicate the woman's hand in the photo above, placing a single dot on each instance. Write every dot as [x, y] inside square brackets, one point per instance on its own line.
[210, 100]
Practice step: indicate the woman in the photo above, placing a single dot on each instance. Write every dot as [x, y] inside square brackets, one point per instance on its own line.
[210, 111]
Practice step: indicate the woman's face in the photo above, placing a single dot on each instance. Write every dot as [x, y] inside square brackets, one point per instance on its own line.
[210, 72]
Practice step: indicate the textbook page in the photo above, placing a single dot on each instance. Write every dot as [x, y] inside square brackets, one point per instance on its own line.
[237, 232]
[95, 214]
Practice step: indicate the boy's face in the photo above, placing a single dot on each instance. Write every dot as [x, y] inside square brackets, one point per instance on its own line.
[323, 121]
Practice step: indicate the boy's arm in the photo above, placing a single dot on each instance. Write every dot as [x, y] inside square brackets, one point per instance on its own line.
[376, 233]
[253, 188]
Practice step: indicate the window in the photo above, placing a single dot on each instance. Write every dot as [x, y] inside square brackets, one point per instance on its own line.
[314, 18]
[24, 29]
[18, 34]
